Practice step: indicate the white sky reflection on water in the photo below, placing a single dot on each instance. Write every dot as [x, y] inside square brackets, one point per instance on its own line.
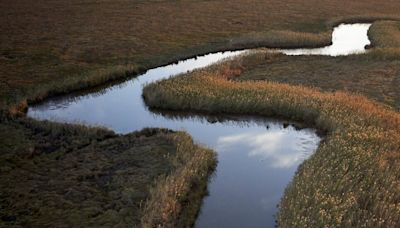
[347, 39]
[256, 156]
[280, 149]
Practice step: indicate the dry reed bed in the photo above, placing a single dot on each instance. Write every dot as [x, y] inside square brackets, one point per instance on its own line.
[354, 177]
[385, 38]
[385, 34]
[175, 199]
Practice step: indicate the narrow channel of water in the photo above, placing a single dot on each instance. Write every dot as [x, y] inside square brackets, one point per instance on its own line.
[257, 156]
[347, 39]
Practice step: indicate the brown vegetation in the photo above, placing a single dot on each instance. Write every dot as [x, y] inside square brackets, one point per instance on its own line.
[375, 75]
[353, 178]
[46, 43]
[62, 175]
[377, 79]
[176, 200]
[53, 47]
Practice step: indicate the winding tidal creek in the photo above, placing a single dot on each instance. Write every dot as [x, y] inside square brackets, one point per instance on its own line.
[257, 157]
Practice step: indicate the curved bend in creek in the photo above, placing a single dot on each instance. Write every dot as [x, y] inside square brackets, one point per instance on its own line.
[347, 39]
[257, 156]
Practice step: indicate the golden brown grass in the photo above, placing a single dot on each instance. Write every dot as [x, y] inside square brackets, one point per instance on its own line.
[53, 47]
[352, 179]
[375, 75]
[375, 78]
[44, 42]
[170, 203]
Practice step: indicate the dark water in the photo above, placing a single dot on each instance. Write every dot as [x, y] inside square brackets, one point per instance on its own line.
[257, 156]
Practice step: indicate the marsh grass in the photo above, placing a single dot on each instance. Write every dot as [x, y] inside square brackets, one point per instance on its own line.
[73, 175]
[352, 179]
[55, 47]
[375, 75]
[385, 39]
[385, 34]
[281, 39]
[370, 18]
[175, 200]
[53, 44]
[19, 102]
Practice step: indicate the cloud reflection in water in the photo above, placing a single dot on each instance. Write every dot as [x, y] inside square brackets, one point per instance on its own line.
[279, 149]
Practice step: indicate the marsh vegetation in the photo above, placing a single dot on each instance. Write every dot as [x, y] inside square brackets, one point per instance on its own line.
[375, 75]
[50, 48]
[352, 179]
[240, 141]
[62, 175]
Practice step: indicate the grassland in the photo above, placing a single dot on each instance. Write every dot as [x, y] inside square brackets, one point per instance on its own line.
[353, 178]
[54, 47]
[376, 79]
[50, 47]
[70, 176]
[376, 75]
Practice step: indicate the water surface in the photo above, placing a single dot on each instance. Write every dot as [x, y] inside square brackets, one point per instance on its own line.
[347, 39]
[257, 156]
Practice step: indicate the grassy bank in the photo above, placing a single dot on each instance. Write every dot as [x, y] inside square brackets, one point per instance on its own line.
[55, 47]
[353, 178]
[176, 199]
[67, 175]
[377, 79]
[375, 75]
[58, 46]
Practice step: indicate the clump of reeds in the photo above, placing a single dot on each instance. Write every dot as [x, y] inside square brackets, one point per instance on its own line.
[385, 40]
[175, 199]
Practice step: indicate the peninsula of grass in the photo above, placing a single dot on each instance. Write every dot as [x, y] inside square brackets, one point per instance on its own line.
[74, 176]
[352, 180]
